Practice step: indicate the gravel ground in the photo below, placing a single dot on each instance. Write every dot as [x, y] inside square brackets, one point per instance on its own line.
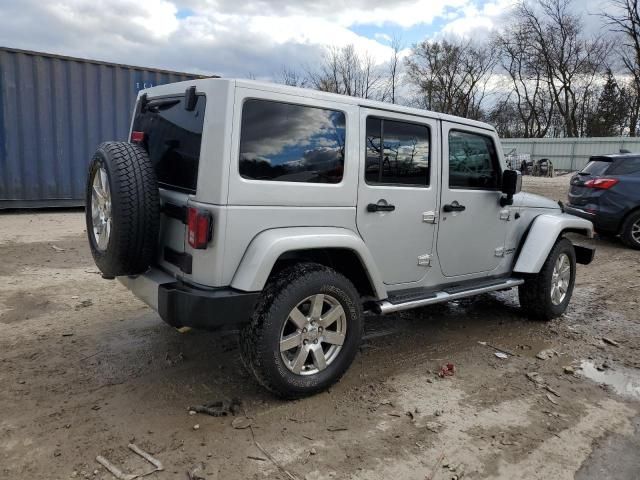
[86, 369]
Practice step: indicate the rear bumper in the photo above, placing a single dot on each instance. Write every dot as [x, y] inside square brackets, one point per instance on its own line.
[578, 212]
[182, 305]
[602, 221]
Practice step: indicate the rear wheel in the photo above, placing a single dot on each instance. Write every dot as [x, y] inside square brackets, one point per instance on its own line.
[546, 295]
[305, 331]
[630, 234]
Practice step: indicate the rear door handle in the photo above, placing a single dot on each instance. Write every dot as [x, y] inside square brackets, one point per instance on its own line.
[376, 207]
[454, 207]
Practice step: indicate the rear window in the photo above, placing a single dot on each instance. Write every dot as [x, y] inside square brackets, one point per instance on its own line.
[291, 143]
[596, 167]
[173, 136]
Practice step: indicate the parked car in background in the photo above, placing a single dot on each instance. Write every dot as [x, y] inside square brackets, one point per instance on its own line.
[607, 192]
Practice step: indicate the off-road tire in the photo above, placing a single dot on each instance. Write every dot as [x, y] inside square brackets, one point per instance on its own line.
[535, 292]
[135, 209]
[259, 340]
[625, 232]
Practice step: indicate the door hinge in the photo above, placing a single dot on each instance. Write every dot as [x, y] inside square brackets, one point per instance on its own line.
[505, 214]
[424, 260]
[499, 252]
[429, 217]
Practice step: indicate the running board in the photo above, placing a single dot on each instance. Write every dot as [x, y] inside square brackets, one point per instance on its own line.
[385, 306]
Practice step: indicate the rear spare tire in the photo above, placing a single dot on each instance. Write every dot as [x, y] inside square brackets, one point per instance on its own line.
[122, 209]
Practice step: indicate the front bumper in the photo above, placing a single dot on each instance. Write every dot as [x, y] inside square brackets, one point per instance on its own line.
[182, 305]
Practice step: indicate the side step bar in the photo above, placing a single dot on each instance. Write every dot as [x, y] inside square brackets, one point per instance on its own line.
[385, 306]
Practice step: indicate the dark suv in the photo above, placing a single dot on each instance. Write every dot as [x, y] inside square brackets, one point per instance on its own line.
[607, 192]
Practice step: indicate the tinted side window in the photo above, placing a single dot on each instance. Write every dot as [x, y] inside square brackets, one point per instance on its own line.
[473, 161]
[397, 153]
[625, 166]
[291, 143]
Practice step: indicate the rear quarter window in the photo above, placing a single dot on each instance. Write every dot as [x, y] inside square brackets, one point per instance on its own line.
[625, 166]
[291, 143]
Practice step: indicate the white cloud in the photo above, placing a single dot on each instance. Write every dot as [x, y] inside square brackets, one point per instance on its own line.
[230, 37]
[382, 36]
[405, 13]
[465, 26]
[316, 31]
[479, 21]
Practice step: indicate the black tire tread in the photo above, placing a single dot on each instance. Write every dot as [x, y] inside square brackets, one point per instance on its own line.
[535, 293]
[625, 232]
[252, 336]
[135, 207]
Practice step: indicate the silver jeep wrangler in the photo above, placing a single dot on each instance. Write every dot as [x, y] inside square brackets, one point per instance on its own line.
[287, 212]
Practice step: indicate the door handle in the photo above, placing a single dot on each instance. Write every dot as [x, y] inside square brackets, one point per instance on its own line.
[376, 207]
[454, 207]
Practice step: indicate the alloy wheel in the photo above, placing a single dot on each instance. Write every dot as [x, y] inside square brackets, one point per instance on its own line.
[313, 334]
[635, 232]
[560, 279]
[101, 208]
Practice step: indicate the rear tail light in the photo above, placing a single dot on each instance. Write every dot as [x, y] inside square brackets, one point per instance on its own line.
[137, 137]
[199, 228]
[601, 183]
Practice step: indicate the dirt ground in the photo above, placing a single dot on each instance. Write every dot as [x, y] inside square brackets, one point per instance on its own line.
[86, 369]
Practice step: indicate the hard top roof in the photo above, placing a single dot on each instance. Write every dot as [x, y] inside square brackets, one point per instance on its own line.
[334, 97]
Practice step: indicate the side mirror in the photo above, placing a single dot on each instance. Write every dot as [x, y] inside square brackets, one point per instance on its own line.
[511, 185]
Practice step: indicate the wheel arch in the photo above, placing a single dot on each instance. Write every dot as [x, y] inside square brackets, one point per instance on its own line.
[626, 216]
[542, 236]
[338, 248]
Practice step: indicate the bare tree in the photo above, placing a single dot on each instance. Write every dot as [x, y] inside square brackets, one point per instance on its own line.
[567, 57]
[530, 96]
[625, 21]
[291, 77]
[451, 76]
[345, 71]
[390, 93]
[506, 118]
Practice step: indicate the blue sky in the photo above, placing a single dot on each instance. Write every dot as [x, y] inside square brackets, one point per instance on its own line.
[183, 13]
[407, 36]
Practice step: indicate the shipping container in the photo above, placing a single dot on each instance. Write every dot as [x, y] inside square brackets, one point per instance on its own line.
[568, 153]
[54, 111]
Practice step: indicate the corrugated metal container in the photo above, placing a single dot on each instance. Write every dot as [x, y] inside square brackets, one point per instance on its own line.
[54, 111]
[569, 153]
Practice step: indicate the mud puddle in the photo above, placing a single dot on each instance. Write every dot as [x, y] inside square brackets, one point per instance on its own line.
[623, 381]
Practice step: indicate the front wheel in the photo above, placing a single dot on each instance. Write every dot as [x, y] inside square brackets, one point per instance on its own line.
[546, 295]
[305, 331]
